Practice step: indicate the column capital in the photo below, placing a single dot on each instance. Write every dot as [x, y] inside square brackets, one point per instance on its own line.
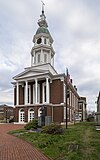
[47, 78]
[50, 80]
[35, 79]
[14, 85]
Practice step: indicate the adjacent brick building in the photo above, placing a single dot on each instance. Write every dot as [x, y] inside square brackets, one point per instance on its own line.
[39, 91]
[6, 113]
[98, 110]
[82, 108]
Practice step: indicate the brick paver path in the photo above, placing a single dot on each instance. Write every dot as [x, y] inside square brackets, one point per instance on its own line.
[13, 148]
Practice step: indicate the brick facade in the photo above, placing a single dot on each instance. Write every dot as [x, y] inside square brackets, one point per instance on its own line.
[56, 92]
[58, 114]
[21, 95]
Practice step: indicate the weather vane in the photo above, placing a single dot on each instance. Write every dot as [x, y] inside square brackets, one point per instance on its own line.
[42, 5]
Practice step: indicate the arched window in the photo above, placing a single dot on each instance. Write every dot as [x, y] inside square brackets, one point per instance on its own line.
[45, 41]
[30, 114]
[39, 112]
[21, 115]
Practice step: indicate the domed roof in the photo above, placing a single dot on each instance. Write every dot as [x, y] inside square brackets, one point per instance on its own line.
[42, 30]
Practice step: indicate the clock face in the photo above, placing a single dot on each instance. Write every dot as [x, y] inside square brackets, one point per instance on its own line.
[39, 41]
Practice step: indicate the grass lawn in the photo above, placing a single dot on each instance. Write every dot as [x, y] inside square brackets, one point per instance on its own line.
[80, 142]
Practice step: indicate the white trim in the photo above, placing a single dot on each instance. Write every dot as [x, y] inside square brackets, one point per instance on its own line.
[62, 79]
[20, 123]
[23, 116]
[29, 114]
[39, 112]
[47, 90]
[26, 93]
[43, 97]
[33, 93]
[38, 93]
[17, 95]
[64, 113]
[64, 92]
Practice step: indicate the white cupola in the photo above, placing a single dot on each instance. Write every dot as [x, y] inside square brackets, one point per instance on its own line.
[42, 51]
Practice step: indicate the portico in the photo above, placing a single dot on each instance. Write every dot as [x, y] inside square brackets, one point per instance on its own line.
[36, 91]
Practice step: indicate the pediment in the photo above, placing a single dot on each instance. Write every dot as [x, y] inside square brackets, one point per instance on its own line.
[29, 73]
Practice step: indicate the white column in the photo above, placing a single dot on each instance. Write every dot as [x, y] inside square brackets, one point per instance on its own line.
[47, 90]
[26, 92]
[34, 94]
[43, 93]
[17, 93]
[36, 91]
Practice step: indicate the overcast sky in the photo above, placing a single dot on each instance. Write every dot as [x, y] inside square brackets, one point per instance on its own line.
[75, 28]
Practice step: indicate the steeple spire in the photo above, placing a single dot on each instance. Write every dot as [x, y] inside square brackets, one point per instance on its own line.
[42, 21]
[42, 52]
[42, 7]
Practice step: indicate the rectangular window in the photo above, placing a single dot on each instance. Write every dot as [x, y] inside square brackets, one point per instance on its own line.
[32, 59]
[38, 58]
[64, 93]
[45, 58]
[45, 41]
[44, 92]
[80, 106]
[29, 94]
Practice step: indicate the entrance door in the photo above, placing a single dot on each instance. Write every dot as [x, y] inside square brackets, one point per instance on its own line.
[21, 116]
[30, 115]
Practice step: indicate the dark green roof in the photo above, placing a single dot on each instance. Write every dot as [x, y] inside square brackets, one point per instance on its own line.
[42, 30]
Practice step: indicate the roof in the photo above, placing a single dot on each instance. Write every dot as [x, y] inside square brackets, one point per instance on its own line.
[4, 105]
[42, 30]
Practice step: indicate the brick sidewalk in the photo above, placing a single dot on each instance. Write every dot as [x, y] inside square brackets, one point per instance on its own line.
[12, 148]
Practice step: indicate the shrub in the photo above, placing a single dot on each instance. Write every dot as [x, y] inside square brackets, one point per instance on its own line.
[90, 119]
[53, 129]
[32, 125]
[11, 120]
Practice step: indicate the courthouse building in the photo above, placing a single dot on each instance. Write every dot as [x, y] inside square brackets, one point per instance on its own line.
[39, 91]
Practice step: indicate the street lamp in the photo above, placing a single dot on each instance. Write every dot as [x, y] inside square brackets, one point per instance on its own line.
[74, 117]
